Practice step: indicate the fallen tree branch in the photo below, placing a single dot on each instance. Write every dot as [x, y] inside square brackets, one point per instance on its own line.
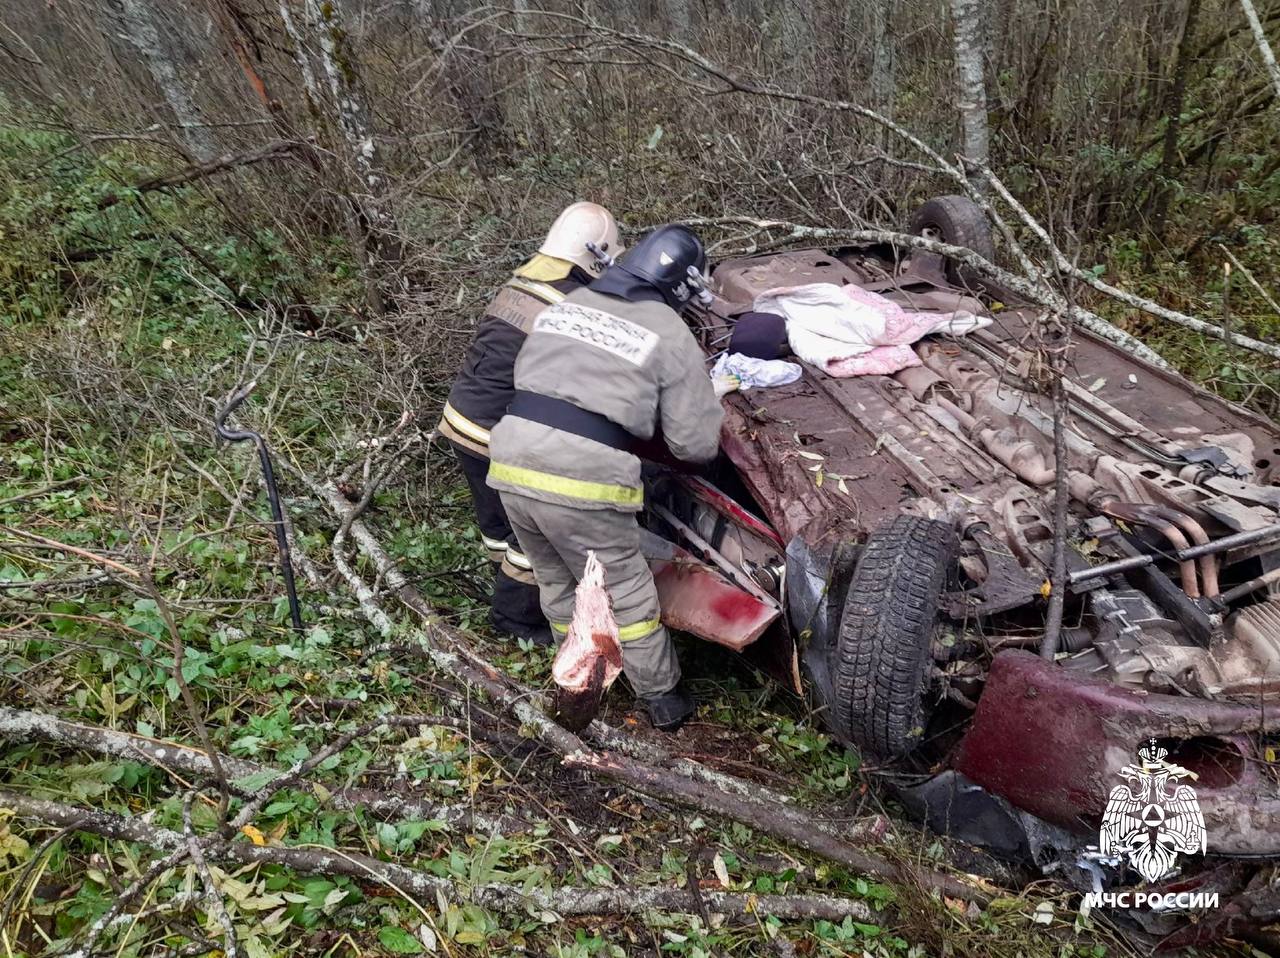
[124, 898]
[1039, 295]
[782, 822]
[43, 490]
[273, 150]
[216, 904]
[73, 550]
[21, 726]
[710, 792]
[1066, 268]
[194, 713]
[428, 889]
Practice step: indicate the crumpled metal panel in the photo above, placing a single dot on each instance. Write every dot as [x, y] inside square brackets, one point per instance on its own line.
[696, 598]
[1052, 742]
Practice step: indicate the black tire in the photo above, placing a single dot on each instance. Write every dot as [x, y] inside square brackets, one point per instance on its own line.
[956, 220]
[880, 662]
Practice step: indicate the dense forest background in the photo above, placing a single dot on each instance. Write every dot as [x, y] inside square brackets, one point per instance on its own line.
[321, 195]
[368, 144]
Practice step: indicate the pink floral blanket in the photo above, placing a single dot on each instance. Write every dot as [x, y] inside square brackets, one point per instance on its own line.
[849, 331]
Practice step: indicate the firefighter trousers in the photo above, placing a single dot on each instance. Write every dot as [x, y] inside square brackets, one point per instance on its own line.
[515, 604]
[556, 538]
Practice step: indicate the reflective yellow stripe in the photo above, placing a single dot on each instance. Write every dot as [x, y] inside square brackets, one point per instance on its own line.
[495, 544]
[563, 486]
[465, 425]
[548, 294]
[517, 559]
[629, 633]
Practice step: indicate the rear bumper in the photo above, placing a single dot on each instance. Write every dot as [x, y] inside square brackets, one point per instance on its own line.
[1052, 743]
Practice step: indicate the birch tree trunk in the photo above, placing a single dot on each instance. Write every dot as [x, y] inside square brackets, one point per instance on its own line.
[301, 57]
[141, 32]
[340, 64]
[884, 82]
[966, 18]
[1264, 48]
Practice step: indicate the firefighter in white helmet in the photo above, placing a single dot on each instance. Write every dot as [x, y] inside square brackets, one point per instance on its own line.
[484, 388]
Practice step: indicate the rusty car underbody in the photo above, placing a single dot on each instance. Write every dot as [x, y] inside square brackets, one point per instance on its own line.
[1172, 621]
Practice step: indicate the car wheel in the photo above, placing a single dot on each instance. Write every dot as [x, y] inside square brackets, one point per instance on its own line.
[880, 661]
[956, 220]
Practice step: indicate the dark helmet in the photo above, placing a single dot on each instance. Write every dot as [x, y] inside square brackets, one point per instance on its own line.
[662, 259]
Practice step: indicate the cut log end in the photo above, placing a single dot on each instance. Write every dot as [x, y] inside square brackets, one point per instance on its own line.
[575, 708]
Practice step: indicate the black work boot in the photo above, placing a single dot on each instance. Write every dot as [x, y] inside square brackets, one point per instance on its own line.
[670, 710]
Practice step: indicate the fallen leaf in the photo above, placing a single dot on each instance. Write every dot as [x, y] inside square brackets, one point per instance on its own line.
[722, 872]
[262, 902]
[254, 835]
[812, 455]
[427, 937]
[333, 900]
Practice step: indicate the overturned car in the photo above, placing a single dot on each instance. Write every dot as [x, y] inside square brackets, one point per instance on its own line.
[882, 543]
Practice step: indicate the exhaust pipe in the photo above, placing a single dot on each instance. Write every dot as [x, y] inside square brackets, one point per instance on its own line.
[1140, 513]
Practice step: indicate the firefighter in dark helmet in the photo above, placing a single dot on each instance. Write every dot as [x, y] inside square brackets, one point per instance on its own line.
[607, 366]
[483, 390]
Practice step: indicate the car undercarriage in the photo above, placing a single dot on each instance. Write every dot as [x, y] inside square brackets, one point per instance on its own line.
[883, 544]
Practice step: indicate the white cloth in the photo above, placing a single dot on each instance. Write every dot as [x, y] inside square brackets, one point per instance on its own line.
[850, 331]
[754, 372]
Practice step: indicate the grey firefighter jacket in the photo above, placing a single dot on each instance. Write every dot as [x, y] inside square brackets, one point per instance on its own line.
[636, 364]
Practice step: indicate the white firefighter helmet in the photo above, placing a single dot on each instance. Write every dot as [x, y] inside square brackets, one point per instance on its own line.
[574, 228]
